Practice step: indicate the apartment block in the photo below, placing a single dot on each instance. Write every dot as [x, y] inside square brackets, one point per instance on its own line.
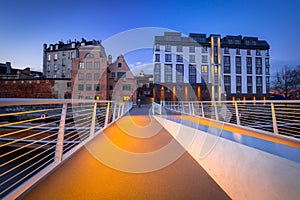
[201, 67]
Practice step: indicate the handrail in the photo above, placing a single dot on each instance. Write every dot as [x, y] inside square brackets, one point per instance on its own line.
[274, 116]
[34, 152]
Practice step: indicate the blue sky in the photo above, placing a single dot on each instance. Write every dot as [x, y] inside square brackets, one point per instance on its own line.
[26, 25]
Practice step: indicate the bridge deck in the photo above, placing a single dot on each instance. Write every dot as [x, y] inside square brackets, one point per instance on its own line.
[125, 163]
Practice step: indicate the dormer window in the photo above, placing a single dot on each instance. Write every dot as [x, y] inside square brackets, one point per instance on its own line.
[51, 48]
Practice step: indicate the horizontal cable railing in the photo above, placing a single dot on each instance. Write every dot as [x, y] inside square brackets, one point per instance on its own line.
[36, 135]
[278, 117]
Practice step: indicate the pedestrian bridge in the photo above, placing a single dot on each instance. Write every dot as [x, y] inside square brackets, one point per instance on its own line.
[84, 149]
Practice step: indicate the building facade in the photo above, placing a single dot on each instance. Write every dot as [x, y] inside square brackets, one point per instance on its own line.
[121, 82]
[89, 72]
[210, 68]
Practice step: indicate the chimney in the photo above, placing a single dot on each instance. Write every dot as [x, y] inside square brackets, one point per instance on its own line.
[8, 68]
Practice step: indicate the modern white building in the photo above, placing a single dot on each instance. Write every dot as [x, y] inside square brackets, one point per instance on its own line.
[202, 68]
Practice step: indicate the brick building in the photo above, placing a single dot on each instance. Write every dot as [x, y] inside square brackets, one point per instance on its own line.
[89, 72]
[121, 81]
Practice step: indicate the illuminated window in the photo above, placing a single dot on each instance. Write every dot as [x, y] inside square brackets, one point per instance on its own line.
[81, 65]
[204, 68]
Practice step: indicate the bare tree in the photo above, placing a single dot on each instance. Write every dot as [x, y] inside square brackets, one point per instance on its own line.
[287, 80]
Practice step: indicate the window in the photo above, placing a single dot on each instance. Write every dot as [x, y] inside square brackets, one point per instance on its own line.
[80, 87]
[238, 52]
[248, 52]
[204, 59]
[230, 41]
[237, 41]
[227, 80]
[97, 87]
[267, 80]
[121, 74]
[247, 42]
[258, 52]
[258, 65]
[249, 80]
[238, 65]
[157, 58]
[89, 55]
[157, 73]
[127, 87]
[119, 64]
[249, 65]
[228, 89]
[68, 84]
[258, 89]
[81, 76]
[49, 57]
[267, 62]
[89, 65]
[259, 80]
[238, 80]
[226, 50]
[179, 58]
[97, 65]
[168, 58]
[204, 49]
[88, 76]
[192, 58]
[249, 89]
[113, 74]
[238, 89]
[168, 48]
[192, 49]
[179, 48]
[96, 76]
[55, 56]
[227, 64]
[168, 73]
[111, 87]
[179, 73]
[157, 47]
[81, 65]
[254, 42]
[88, 87]
[204, 69]
[267, 70]
[192, 73]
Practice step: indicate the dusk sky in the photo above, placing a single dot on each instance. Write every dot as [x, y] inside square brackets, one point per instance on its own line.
[26, 25]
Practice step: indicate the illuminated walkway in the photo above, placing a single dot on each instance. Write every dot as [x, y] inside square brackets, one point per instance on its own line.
[98, 170]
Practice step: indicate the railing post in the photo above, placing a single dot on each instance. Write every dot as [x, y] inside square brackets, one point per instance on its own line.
[60, 136]
[160, 109]
[193, 109]
[122, 111]
[107, 114]
[202, 110]
[190, 109]
[119, 110]
[216, 111]
[275, 128]
[114, 112]
[92, 130]
[237, 114]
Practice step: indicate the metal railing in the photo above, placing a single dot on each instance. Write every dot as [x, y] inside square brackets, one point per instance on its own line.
[278, 117]
[37, 135]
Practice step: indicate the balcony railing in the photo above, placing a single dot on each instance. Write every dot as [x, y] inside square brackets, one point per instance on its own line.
[37, 135]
